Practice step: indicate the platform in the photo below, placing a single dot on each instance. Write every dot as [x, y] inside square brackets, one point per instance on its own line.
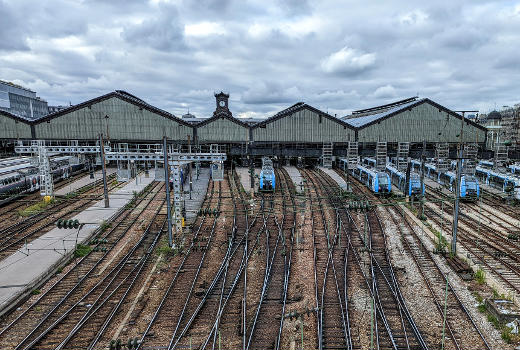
[397, 191]
[24, 269]
[334, 175]
[438, 187]
[243, 174]
[492, 190]
[296, 178]
[199, 189]
[83, 181]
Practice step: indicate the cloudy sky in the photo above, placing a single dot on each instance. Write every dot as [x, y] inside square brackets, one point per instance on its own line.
[335, 55]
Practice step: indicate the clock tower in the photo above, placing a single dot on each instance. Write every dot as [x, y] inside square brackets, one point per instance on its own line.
[222, 103]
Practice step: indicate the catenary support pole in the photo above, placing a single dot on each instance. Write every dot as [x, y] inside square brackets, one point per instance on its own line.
[423, 158]
[456, 204]
[104, 169]
[167, 186]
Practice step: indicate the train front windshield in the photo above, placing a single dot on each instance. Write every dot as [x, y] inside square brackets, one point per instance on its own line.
[383, 181]
[471, 183]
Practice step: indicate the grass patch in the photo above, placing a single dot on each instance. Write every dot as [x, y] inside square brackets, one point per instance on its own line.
[494, 321]
[164, 248]
[480, 276]
[482, 308]
[506, 334]
[478, 297]
[36, 208]
[104, 226]
[35, 291]
[136, 195]
[71, 195]
[442, 243]
[81, 250]
[505, 331]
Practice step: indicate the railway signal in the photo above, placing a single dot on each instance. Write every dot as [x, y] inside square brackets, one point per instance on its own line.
[68, 224]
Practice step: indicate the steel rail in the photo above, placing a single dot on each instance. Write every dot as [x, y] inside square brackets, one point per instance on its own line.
[233, 247]
[329, 262]
[108, 319]
[222, 298]
[174, 279]
[83, 261]
[428, 255]
[188, 297]
[280, 239]
[111, 276]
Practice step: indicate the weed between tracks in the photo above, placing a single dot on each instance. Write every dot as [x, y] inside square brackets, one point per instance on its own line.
[505, 331]
[480, 276]
[164, 248]
[82, 250]
[104, 226]
[36, 208]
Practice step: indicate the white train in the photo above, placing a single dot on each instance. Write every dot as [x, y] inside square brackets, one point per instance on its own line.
[19, 175]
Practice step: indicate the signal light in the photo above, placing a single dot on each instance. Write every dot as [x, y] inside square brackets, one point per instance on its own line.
[68, 224]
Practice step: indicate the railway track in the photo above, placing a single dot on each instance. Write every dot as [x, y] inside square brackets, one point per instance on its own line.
[15, 236]
[265, 332]
[227, 298]
[495, 200]
[394, 326]
[485, 214]
[495, 253]
[329, 291]
[175, 304]
[461, 330]
[40, 324]
[9, 213]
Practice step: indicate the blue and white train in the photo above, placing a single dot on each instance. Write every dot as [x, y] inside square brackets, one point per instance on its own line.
[377, 181]
[267, 177]
[469, 186]
[371, 162]
[507, 183]
[514, 168]
[398, 179]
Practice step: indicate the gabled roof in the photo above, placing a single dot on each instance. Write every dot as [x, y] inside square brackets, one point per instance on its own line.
[220, 116]
[17, 117]
[378, 109]
[123, 95]
[296, 108]
[367, 120]
[363, 120]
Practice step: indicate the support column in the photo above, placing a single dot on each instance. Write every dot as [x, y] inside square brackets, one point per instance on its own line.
[456, 205]
[177, 200]
[167, 186]
[103, 165]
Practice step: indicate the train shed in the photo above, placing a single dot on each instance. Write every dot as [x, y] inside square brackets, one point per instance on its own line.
[118, 115]
[417, 120]
[300, 130]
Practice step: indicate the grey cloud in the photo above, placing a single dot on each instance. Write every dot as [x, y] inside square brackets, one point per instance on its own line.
[268, 55]
[11, 38]
[295, 7]
[462, 38]
[209, 7]
[270, 93]
[162, 33]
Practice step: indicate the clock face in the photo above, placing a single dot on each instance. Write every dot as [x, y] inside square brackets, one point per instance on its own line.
[222, 103]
